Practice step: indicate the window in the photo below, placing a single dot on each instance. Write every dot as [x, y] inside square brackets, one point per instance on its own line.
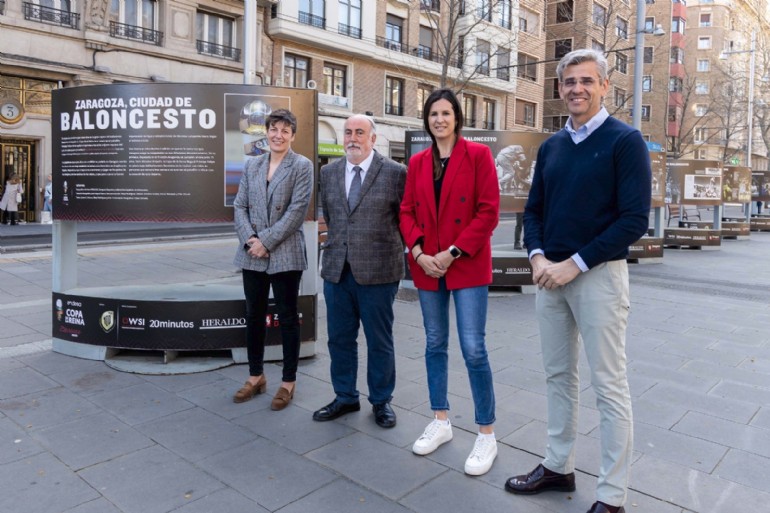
[699, 135]
[704, 65]
[485, 9]
[677, 55]
[675, 85]
[423, 91]
[564, 11]
[677, 25]
[216, 36]
[335, 79]
[648, 54]
[554, 123]
[529, 21]
[482, 57]
[394, 96]
[701, 154]
[503, 63]
[134, 19]
[489, 115]
[621, 63]
[460, 51]
[701, 109]
[469, 110]
[673, 114]
[526, 67]
[393, 26]
[704, 42]
[525, 113]
[621, 27]
[562, 47]
[647, 83]
[555, 89]
[646, 112]
[312, 12]
[596, 45]
[649, 25]
[505, 7]
[599, 15]
[620, 97]
[350, 18]
[295, 70]
[702, 87]
[54, 12]
[425, 48]
[705, 19]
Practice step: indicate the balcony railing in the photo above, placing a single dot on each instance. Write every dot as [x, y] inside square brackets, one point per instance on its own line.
[311, 19]
[228, 52]
[347, 30]
[430, 5]
[488, 125]
[145, 35]
[504, 74]
[423, 52]
[394, 110]
[48, 15]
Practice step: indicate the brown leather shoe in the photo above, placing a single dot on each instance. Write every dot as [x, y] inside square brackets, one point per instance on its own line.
[541, 480]
[600, 507]
[248, 390]
[282, 398]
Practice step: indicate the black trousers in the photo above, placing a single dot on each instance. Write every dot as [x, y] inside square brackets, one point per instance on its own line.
[256, 287]
[10, 216]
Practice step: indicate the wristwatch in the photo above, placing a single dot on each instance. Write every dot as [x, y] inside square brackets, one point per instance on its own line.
[455, 251]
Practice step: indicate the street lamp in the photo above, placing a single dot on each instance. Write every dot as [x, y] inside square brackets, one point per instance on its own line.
[750, 110]
[636, 110]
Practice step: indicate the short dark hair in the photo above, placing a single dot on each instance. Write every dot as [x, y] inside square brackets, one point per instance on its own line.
[282, 116]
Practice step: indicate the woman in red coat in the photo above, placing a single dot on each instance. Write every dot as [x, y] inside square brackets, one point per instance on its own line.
[450, 208]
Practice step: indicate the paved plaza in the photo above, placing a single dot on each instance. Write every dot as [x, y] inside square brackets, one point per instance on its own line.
[79, 437]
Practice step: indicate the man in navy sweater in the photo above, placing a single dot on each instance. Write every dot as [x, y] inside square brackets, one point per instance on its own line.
[590, 200]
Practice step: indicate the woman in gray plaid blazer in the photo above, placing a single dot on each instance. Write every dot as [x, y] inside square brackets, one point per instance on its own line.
[270, 207]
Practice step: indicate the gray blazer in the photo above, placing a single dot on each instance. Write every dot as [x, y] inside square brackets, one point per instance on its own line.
[368, 237]
[275, 213]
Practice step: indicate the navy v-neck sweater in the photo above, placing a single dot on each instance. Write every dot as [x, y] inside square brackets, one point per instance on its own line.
[591, 198]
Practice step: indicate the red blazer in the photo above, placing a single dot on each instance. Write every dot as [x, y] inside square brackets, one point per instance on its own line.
[468, 213]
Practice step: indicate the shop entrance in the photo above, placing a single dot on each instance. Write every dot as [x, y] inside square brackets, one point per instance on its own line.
[18, 156]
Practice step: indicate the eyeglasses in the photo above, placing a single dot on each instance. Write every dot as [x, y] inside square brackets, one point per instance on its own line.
[585, 82]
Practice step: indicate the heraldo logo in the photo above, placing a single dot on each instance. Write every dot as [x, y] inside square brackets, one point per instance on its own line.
[107, 321]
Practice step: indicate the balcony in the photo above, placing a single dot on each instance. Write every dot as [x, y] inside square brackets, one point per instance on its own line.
[504, 74]
[226, 52]
[135, 33]
[423, 52]
[347, 30]
[311, 19]
[430, 5]
[48, 15]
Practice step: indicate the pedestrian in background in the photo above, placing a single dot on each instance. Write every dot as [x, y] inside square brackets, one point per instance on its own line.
[47, 198]
[362, 264]
[590, 199]
[270, 206]
[12, 197]
[451, 206]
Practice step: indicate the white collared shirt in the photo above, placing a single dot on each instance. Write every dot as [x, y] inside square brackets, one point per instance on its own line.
[582, 133]
[349, 173]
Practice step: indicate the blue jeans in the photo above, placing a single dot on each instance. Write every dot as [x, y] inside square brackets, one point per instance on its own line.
[471, 312]
[348, 305]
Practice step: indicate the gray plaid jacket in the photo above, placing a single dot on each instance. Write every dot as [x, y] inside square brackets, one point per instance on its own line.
[275, 213]
[368, 237]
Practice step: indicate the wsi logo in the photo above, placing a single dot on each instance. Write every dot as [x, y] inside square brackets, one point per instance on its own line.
[133, 323]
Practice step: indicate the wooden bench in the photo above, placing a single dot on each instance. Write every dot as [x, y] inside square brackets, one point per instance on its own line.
[686, 212]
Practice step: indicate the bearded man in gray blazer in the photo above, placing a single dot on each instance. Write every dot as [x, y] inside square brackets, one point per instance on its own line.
[362, 263]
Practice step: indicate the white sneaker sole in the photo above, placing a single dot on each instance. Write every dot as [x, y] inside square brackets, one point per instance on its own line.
[480, 471]
[423, 451]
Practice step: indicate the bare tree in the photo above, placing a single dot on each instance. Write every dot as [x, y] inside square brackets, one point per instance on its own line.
[762, 93]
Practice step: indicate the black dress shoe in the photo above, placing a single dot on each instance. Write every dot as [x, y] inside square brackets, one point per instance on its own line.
[600, 507]
[384, 415]
[335, 409]
[541, 480]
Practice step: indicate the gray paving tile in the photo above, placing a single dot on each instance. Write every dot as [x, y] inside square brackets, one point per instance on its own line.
[217, 397]
[23, 381]
[100, 505]
[222, 501]
[396, 473]
[42, 484]
[49, 362]
[656, 413]
[682, 449]
[745, 468]
[15, 443]
[344, 497]
[152, 480]
[732, 373]
[725, 432]
[48, 408]
[90, 381]
[90, 440]
[762, 418]
[179, 382]
[710, 405]
[267, 473]
[195, 434]
[140, 403]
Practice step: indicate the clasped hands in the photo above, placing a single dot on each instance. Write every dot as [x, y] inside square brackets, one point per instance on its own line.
[551, 275]
[436, 265]
[256, 248]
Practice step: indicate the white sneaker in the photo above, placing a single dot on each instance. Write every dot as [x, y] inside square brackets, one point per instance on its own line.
[482, 456]
[438, 432]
